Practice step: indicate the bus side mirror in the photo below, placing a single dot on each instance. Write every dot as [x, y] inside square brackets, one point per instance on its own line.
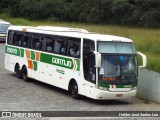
[144, 59]
[97, 59]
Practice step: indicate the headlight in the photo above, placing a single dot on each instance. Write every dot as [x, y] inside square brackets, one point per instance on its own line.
[133, 88]
[102, 88]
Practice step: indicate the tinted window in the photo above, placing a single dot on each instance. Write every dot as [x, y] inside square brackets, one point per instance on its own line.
[36, 42]
[26, 40]
[10, 37]
[17, 38]
[60, 45]
[89, 60]
[49, 44]
[88, 46]
[57, 45]
[74, 45]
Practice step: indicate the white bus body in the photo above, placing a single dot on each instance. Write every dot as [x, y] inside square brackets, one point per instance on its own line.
[93, 65]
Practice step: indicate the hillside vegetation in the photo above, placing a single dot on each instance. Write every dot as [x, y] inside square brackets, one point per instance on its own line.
[145, 13]
[146, 40]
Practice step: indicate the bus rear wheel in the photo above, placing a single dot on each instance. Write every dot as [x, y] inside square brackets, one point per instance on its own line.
[25, 74]
[18, 71]
[74, 91]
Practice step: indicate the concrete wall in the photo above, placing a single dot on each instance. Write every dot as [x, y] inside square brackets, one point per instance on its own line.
[149, 85]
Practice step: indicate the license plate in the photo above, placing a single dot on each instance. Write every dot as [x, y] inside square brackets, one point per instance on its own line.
[119, 95]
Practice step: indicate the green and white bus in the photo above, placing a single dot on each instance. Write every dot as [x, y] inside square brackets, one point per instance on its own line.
[94, 65]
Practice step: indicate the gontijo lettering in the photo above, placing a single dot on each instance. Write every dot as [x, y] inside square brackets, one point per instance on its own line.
[61, 62]
[11, 50]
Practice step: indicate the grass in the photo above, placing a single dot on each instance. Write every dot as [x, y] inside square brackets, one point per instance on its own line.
[146, 40]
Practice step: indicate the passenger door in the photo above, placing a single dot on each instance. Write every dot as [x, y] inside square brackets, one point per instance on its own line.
[89, 69]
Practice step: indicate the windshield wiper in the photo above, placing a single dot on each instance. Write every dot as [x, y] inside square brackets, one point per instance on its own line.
[125, 74]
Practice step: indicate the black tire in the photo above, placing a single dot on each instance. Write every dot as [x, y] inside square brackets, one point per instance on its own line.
[25, 74]
[18, 71]
[74, 91]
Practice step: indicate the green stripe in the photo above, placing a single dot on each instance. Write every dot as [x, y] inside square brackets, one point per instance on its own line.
[35, 65]
[103, 84]
[45, 58]
[32, 55]
[78, 65]
[22, 52]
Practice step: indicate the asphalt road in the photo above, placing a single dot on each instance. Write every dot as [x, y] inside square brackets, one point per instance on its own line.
[17, 95]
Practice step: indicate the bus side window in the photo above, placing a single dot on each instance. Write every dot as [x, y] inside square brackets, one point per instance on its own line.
[49, 44]
[60, 45]
[57, 46]
[74, 47]
[14, 38]
[10, 37]
[26, 40]
[63, 46]
[17, 39]
[36, 43]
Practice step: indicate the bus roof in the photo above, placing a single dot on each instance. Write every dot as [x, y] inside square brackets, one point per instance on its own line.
[103, 37]
[60, 29]
[70, 32]
[3, 22]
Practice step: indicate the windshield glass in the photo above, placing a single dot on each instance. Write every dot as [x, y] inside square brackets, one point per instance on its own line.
[4, 28]
[116, 47]
[118, 69]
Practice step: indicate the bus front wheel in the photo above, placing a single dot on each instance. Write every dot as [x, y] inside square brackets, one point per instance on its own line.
[25, 74]
[74, 90]
[18, 71]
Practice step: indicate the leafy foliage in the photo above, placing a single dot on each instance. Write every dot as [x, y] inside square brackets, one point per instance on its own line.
[123, 12]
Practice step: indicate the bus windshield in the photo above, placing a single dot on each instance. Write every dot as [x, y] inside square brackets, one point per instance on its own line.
[4, 28]
[119, 63]
[116, 47]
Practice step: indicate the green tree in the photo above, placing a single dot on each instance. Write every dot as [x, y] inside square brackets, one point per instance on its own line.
[151, 19]
[4, 4]
[14, 8]
[101, 12]
[121, 12]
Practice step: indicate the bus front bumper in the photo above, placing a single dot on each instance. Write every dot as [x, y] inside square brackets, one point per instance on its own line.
[104, 95]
